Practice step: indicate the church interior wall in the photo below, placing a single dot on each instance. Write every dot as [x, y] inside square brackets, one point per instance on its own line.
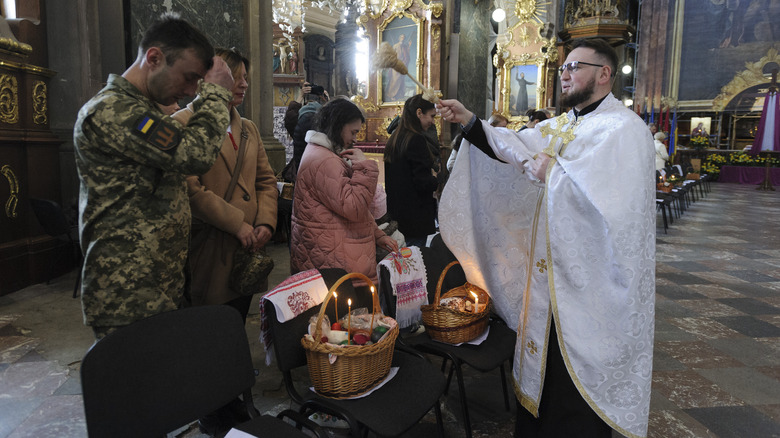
[701, 49]
[475, 31]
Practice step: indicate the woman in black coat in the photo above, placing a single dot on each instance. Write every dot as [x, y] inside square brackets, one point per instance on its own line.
[409, 180]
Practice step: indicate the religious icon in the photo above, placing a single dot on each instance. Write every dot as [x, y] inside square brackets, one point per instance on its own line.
[293, 62]
[523, 80]
[402, 33]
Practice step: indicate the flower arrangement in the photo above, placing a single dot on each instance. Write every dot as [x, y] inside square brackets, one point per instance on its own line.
[699, 142]
[714, 162]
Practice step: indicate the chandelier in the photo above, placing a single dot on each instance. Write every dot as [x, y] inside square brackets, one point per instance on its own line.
[291, 14]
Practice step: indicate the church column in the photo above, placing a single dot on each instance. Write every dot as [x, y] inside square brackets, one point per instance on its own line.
[259, 31]
[346, 36]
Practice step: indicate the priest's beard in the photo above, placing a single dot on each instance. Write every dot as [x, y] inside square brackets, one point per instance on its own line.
[578, 97]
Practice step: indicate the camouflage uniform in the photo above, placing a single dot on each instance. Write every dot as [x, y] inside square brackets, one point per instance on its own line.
[134, 210]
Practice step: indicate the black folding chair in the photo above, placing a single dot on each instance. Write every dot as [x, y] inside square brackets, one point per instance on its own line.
[54, 222]
[493, 353]
[389, 411]
[166, 371]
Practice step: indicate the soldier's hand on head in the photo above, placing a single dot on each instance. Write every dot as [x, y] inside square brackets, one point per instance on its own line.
[220, 74]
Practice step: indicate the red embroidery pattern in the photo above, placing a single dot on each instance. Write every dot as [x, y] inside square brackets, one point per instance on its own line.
[299, 302]
[410, 291]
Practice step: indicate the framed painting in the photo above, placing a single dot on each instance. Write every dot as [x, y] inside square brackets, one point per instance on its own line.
[521, 88]
[404, 32]
[700, 126]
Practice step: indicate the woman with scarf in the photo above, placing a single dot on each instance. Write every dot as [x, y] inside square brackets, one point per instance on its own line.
[332, 225]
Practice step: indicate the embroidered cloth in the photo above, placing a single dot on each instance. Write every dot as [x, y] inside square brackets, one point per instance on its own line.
[408, 279]
[290, 298]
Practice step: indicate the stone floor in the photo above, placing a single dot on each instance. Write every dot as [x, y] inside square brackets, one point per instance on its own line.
[717, 344]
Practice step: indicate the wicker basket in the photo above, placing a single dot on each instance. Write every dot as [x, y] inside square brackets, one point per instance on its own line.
[357, 368]
[450, 325]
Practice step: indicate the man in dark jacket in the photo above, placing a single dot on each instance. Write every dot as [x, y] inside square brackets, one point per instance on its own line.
[316, 98]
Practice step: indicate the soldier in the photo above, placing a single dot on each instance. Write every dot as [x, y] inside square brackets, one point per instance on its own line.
[134, 213]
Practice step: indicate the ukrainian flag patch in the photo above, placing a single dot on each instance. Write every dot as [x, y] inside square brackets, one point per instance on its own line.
[146, 124]
[158, 132]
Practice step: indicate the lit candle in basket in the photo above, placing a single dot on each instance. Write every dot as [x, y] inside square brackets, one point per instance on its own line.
[476, 302]
[336, 300]
[372, 309]
[349, 321]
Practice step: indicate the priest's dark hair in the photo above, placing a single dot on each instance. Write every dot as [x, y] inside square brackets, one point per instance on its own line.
[173, 35]
[408, 126]
[333, 116]
[602, 48]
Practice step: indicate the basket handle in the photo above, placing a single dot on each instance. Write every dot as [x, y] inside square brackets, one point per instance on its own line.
[375, 301]
[441, 281]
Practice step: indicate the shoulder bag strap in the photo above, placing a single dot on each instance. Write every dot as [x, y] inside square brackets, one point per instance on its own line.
[239, 163]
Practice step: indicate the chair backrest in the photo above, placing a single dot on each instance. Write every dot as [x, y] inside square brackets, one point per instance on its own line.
[435, 258]
[166, 371]
[287, 335]
[51, 217]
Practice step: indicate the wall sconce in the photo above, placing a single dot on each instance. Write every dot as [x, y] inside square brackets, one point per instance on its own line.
[626, 69]
[498, 14]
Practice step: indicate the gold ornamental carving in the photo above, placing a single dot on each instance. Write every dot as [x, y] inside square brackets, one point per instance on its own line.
[750, 77]
[435, 8]
[435, 35]
[15, 46]
[381, 129]
[13, 182]
[526, 10]
[40, 103]
[375, 8]
[9, 99]
[401, 5]
[364, 104]
[523, 50]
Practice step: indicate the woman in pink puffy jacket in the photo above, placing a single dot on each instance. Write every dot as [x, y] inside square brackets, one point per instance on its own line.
[332, 226]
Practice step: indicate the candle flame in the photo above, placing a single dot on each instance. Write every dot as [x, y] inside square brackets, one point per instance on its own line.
[475, 295]
[372, 289]
[349, 301]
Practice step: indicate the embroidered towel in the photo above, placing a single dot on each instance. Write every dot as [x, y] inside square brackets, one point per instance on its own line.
[290, 298]
[408, 279]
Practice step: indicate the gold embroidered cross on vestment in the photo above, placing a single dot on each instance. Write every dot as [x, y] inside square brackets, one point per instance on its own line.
[542, 265]
[556, 133]
[532, 347]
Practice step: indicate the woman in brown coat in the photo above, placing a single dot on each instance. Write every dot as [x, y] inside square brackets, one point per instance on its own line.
[247, 220]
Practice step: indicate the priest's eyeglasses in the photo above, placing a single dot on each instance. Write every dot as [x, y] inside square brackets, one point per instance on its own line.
[573, 66]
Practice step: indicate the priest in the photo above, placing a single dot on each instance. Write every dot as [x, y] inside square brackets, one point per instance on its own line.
[558, 224]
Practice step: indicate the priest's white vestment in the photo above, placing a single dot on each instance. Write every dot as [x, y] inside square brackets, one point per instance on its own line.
[577, 251]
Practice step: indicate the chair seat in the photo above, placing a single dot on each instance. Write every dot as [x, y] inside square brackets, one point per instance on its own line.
[391, 409]
[487, 356]
[266, 425]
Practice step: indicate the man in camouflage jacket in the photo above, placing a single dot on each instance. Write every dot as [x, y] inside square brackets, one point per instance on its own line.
[134, 214]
